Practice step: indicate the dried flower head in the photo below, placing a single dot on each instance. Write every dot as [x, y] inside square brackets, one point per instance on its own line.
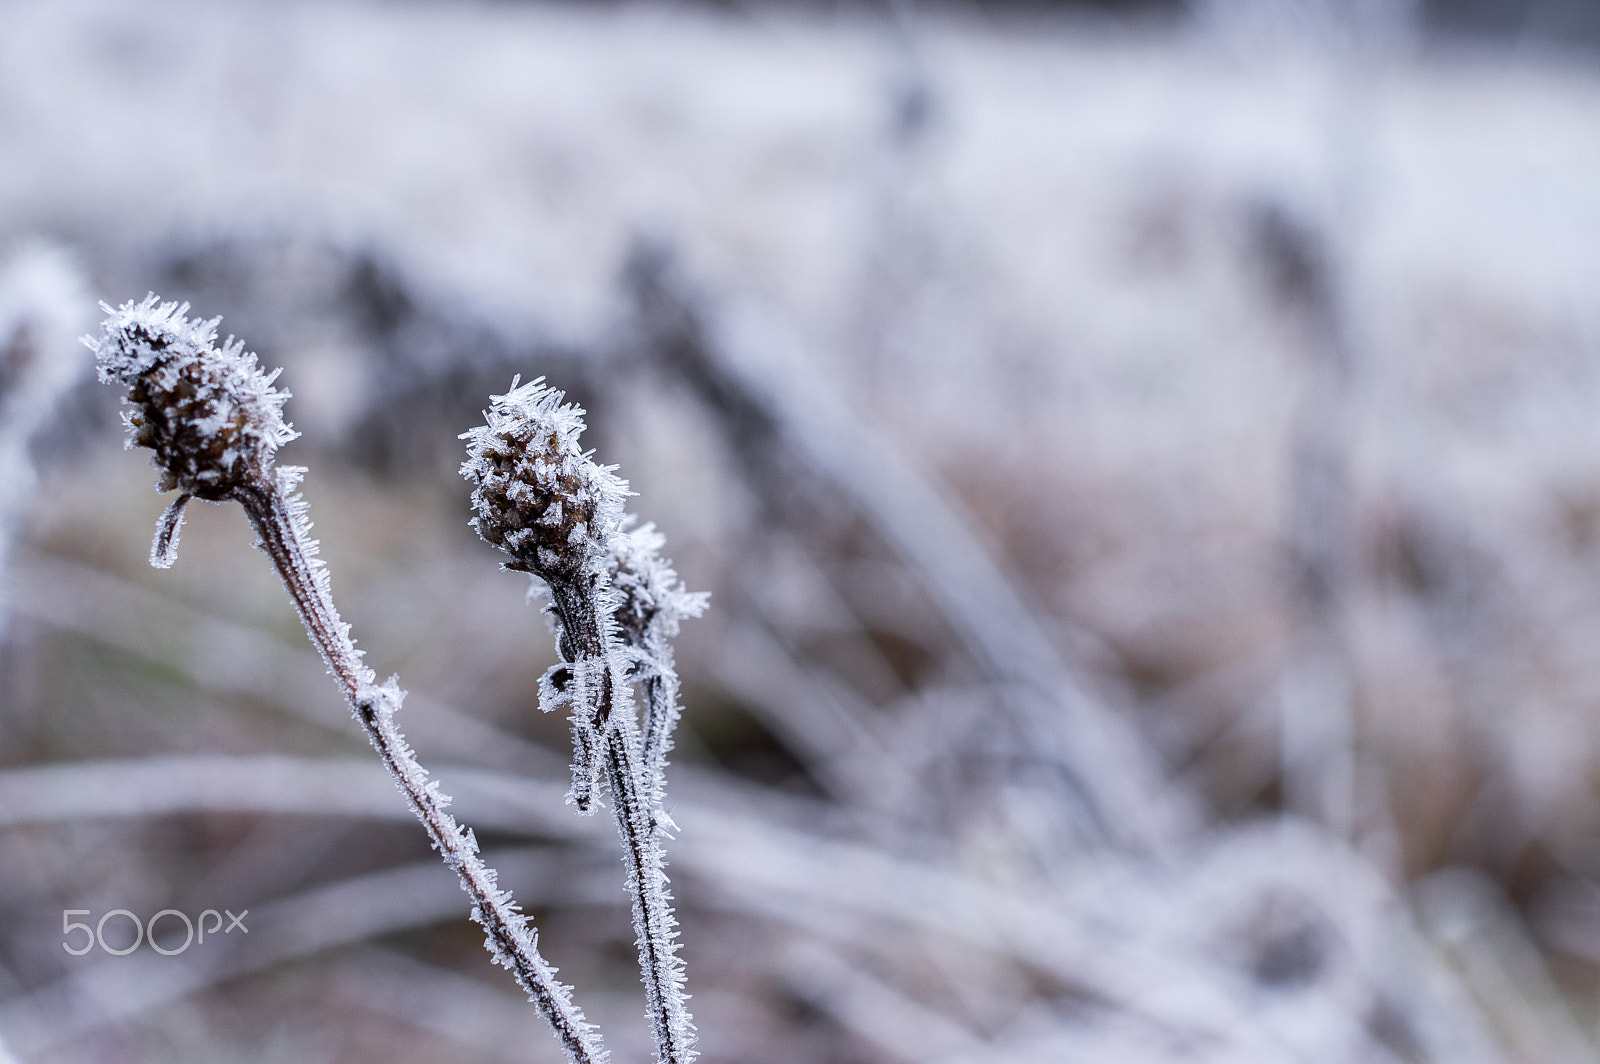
[650, 599]
[210, 414]
[538, 495]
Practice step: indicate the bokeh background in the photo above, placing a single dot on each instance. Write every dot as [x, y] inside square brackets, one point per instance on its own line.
[1145, 458]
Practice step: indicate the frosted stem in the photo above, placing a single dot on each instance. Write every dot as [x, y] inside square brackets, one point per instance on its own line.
[585, 636]
[279, 522]
[654, 924]
[543, 500]
[583, 644]
[661, 715]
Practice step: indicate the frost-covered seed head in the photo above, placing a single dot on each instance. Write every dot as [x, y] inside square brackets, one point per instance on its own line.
[210, 414]
[650, 598]
[537, 495]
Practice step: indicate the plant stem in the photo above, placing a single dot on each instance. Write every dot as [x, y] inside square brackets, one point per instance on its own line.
[584, 636]
[278, 524]
[661, 712]
[652, 913]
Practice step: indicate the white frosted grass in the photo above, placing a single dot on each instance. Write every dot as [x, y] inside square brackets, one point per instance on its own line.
[1214, 130]
[1116, 792]
[42, 305]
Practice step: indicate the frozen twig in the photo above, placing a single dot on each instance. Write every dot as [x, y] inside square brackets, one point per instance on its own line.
[215, 422]
[559, 516]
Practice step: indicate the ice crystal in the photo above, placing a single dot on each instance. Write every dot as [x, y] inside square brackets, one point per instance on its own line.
[210, 413]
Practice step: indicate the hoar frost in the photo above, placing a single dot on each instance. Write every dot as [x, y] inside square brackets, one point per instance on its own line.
[215, 422]
[615, 603]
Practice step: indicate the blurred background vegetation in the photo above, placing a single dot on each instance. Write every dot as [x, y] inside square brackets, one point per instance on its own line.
[1143, 456]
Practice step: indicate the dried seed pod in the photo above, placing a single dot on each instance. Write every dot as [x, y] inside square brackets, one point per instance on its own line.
[543, 500]
[537, 495]
[210, 413]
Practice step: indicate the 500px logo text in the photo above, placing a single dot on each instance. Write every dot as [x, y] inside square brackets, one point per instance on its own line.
[96, 935]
